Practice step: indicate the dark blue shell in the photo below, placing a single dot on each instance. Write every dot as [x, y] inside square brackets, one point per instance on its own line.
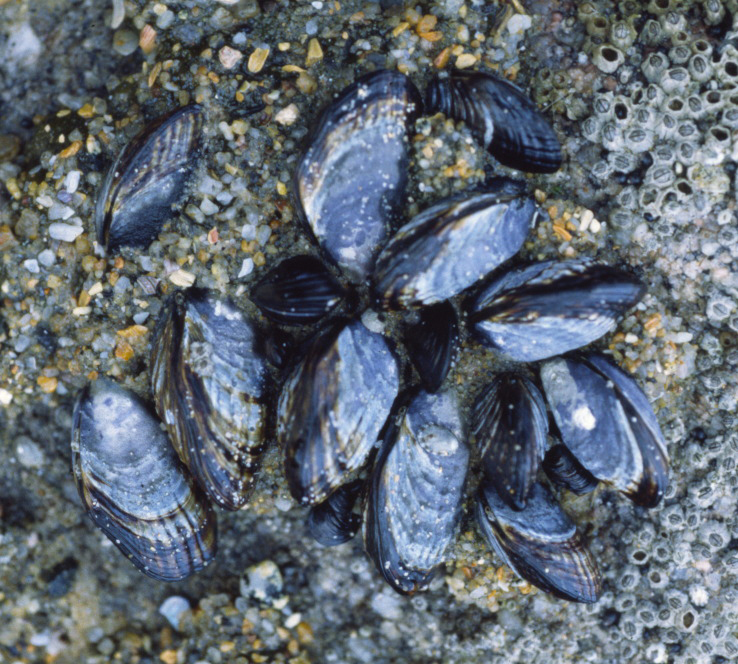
[501, 116]
[540, 543]
[333, 521]
[563, 469]
[452, 245]
[510, 424]
[550, 308]
[332, 409]
[608, 425]
[414, 502]
[148, 178]
[351, 181]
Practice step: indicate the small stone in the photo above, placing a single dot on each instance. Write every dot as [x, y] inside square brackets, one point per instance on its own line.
[71, 181]
[27, 224]
[315, 52]
[31, 265]
[229, 57]
[173, 609]
[5, 397]
[287, 115]
[28, 453]
[47, 384]
[465, 60]
[22, 343]
[247, 268]
[140, 317]
[519, 23]
[248, 232]
[59, 211]
[208, 207]
[263, 582]
[125, 42]
[257, 59]
[263, 234]
[182, 278]
[9, 147]
[65, 232]
[165, 20]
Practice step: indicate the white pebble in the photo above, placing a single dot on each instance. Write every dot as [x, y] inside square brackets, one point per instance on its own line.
[140, 317]
[47, 258]
[173, 608]
[208, 207]
[247, 267]
[29, 454]
[519, 23]
[263, 234]
[248, 232]
[71, 181]
[59, 211]
[31, 265]
[65, 232]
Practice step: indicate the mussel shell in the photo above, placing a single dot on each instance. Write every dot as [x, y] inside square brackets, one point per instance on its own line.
[500, 115]
[135, 489]
[431, 343]
[608, 425]
[550, 308]
[210, 378]
[510, 424]
[334, 521]
[540, 543]
[351, 182]
[563, 469]
[414, 502]
[333, 407]
[148, 178]
[450, 246]
[299, 291]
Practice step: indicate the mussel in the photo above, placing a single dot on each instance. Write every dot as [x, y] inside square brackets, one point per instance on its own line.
[148, 178]
[550, 308]
[299, 291]
[334, 521]
[210, 380]
[503, 119]
[416, 490]
[332, 408]
[431, 343]
[563, 469]
[452, 245]
[540, 543]
[608, 425]
[351, 182]
[133, 486]
[510, 424]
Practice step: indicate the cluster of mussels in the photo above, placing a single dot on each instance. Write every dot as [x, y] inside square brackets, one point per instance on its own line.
[359, 425]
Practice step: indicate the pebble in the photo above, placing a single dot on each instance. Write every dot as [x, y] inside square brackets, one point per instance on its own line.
[248, 232]
[173, 609]
[47, 258]
[519, 23]
[287, 115]
[263, 582]
[22, 343]
[263, 234]
[71, 181]
[28, 453]
[59, 211]
[229, 57]
[140, 317]
[247, 267]
[208, 207]
[31, 265]
[209, 186]
[387, 605]
[22, 49]
[65, 232]
[165, 20]
[125, 42]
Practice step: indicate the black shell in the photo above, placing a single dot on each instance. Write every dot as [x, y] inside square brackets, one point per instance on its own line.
[351, 182]
[550, 308]
[414, 502]
[563, 469]
[209, 378]
[452, 245]
[299, 291]
[510, 424]
[148, 178]
[540, 543]
[608, 425]
[135, 489]
[333, 407]
[334, 521]
[503, 119]
[431, 343]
